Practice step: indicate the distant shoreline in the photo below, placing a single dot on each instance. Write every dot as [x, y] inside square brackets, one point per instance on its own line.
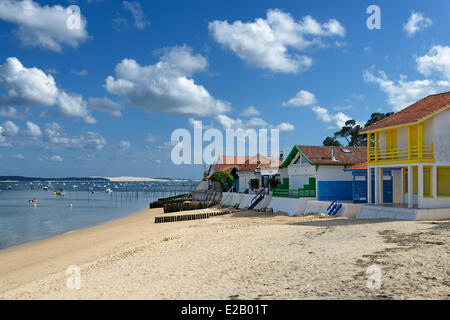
[88, 179]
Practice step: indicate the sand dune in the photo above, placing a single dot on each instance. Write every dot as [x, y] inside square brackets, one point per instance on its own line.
[245, 255]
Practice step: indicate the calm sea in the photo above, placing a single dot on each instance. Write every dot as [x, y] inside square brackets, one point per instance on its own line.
[79, 207]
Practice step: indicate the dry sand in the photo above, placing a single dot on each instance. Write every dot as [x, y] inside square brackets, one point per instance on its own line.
[245, 255]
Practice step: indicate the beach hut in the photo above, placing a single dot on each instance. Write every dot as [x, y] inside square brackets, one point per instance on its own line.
[416, 142]
[317, 172]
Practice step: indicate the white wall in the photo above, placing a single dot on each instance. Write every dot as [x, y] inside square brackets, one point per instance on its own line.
[296, 182]
[441, 129]
[333, 173]
[244, 178]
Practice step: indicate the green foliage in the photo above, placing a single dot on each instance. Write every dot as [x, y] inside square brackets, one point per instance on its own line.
[350, 131]
[330, 141]
[225, 178]
[254, 184]
[273, 183]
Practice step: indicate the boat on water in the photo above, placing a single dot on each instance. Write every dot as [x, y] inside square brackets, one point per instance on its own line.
[34, 200]
[59, 192]
[45, 188]
[108, 190]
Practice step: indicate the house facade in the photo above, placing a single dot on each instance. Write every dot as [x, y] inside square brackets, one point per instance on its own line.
[414, 144]
[318, 172]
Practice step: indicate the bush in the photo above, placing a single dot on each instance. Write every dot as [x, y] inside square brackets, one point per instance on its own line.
[273, 183]
[225, 179]
[253, 184]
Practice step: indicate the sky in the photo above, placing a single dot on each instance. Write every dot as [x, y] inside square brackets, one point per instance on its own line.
[102, 94]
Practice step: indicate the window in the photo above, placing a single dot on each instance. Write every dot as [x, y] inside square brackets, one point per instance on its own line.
[345, 150]
[443, 181]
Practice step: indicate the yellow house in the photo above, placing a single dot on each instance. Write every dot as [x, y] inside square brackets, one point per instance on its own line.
[416, 140]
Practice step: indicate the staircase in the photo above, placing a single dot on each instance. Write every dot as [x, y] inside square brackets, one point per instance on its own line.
[334, 208]
[257, 199]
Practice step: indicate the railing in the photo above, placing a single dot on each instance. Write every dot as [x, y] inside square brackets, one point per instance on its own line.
[402, 154]
[294, 193]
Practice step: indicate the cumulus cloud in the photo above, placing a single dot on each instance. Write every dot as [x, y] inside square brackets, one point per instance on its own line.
[404, 92]
[140, 21]
[302, 98]
[338, 119]
[417, 21]
[42, 26]
[10, 129]
[26, 86]
[18, 156]
[33, 87]
[250, 112]
[265, 43]
[165, 86]
[33, 130]
[437, 59]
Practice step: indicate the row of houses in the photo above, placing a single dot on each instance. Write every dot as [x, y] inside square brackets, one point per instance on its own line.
[403, 170]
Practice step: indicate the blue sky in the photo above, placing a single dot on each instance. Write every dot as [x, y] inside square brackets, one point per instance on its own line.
[104, 99]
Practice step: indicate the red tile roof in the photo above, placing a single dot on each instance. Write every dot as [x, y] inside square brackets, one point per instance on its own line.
[414, 112]
[233, 159]
[322, 154]
[358, 166]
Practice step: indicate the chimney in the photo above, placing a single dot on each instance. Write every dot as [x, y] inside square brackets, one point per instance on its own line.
[332, 155]
[281, 156]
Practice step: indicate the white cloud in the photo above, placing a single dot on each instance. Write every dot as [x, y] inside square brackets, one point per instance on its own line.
[10, 129]
[74, 106]
[324, 115]
[140, 21]
[124, 145]
[32, 87]
[182, 57]
[26, 86]
[229, 123]
[265, 43]
[106, 105]
[3, 142]
[285, 126]
[437, 59]
[42, 26]
[12, 113]
[165, 86]
[416, 22]
[250, 112]
[91, 141]
[152, 138]
[33, 130]
[81, 73]
[18, 156]
[54, 158]
[403, 93]
[302, 98]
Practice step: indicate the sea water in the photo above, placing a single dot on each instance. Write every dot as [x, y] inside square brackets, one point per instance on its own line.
[22, 221]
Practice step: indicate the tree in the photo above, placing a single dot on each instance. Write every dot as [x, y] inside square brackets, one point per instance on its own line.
[225, 178]
[350, 132]
[377, 116]
[253, 184]
[330, 141]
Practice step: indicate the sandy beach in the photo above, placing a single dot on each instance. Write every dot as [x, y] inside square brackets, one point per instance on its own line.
[244, 255]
